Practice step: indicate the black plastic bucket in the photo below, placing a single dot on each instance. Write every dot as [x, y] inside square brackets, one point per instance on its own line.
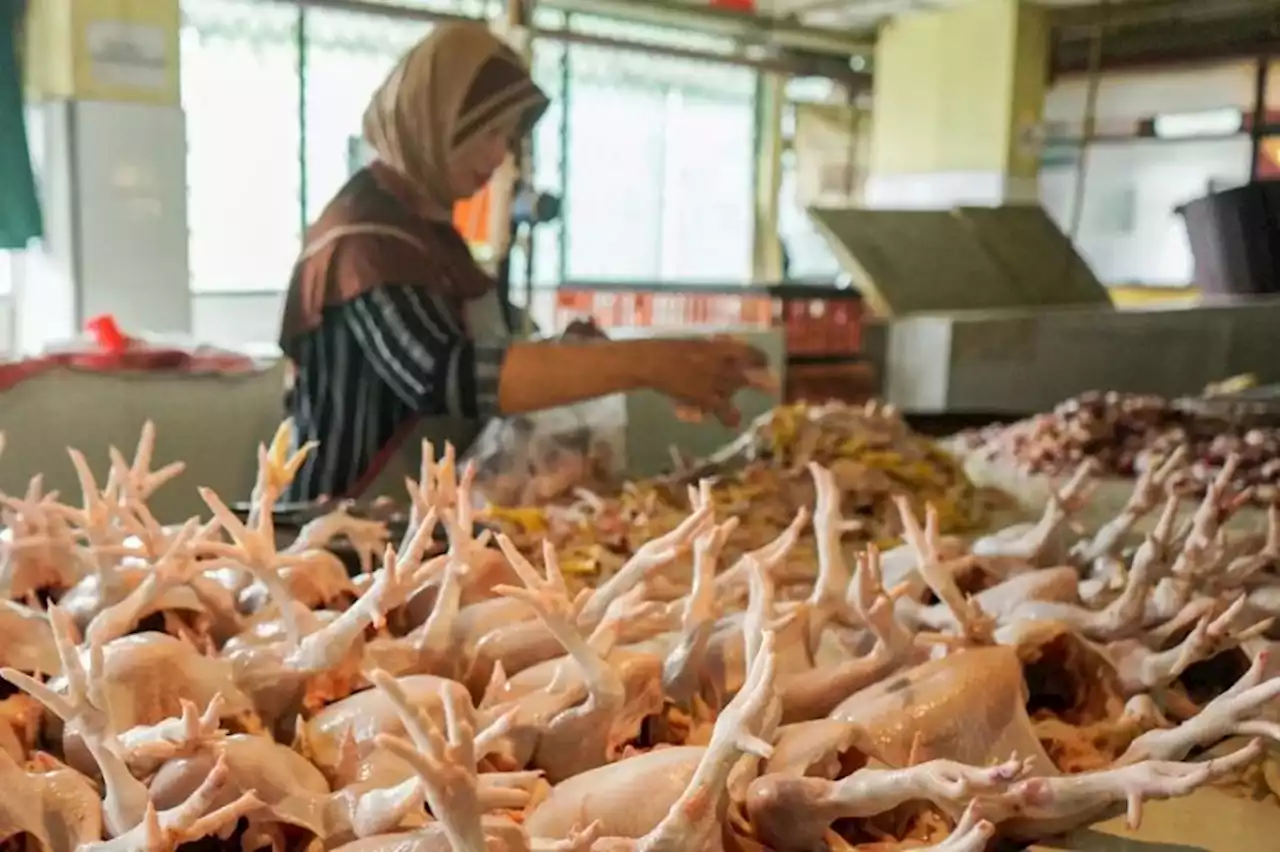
[1235, 240]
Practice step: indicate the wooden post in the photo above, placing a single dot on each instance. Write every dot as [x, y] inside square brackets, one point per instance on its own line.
[766, 247]
[1258, 130]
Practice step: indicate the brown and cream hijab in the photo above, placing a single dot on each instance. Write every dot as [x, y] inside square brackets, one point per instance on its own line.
[456, 84]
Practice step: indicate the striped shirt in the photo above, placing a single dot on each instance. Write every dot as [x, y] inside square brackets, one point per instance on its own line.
[375, 363]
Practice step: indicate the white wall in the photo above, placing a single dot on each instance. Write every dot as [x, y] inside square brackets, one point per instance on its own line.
[229, 319]
[1126, 97]
[1129, 231]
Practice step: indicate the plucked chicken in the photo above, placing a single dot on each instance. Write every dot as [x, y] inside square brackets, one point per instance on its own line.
[209, 686]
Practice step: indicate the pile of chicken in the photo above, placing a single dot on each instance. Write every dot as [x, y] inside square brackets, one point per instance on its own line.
[1125, 433]
[199, 684]
[872, 453]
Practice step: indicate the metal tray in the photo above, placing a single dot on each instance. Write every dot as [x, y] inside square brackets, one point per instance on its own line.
[1257, 406]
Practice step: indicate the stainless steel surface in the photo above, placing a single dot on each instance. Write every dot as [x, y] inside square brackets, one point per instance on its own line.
[1022, 362]
[652, 425]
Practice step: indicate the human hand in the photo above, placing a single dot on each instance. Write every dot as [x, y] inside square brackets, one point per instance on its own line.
[704, 375]
[583, 329]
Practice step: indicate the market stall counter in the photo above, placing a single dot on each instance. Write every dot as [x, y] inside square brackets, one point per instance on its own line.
[213, 417]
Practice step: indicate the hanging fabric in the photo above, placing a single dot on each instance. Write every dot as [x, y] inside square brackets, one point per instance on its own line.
[20, 220]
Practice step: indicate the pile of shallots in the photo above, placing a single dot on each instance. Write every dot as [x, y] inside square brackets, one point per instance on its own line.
[202, 684]
[1125, 433]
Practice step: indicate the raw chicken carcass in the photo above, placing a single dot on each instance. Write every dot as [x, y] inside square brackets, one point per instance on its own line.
[205, 679]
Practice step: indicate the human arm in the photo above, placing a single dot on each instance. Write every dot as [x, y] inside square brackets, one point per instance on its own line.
[702, 374]
[417, 347]
[558, 372]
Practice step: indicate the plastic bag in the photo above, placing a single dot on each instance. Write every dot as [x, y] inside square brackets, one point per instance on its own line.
[104, 346]
[539, 458]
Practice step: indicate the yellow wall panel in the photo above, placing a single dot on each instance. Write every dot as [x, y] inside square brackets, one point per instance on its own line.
[974, 64]
[906, 95]
[47, 50]
[959, 89]
[1030, 84]
[104, 50]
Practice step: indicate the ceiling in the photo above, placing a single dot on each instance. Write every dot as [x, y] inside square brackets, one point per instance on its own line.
[835, 38]
[1145, 32]
[867, 15]
[1134, 32]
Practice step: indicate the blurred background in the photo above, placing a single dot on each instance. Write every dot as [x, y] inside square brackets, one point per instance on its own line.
[685, 140]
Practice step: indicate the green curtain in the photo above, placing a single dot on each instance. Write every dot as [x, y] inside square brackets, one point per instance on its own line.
[20, 220]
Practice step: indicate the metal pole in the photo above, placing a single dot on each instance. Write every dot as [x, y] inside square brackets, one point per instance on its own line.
[566, 100]
[502, 185]
[520, 15]
[766, 245]
[302, 121]
[1259, 127]
[1089, 124]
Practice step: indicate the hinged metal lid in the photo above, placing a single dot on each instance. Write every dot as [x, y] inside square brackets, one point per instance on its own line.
[965, 259]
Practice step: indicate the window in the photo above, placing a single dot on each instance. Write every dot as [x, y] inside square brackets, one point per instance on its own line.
[652, 155]
[348, 55]
[660, 164]
[809, 255]
[707, 218]
[549, 168]
[613, 191]
[240, 93]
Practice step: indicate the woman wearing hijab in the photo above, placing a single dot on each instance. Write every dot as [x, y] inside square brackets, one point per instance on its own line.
[395, 334]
